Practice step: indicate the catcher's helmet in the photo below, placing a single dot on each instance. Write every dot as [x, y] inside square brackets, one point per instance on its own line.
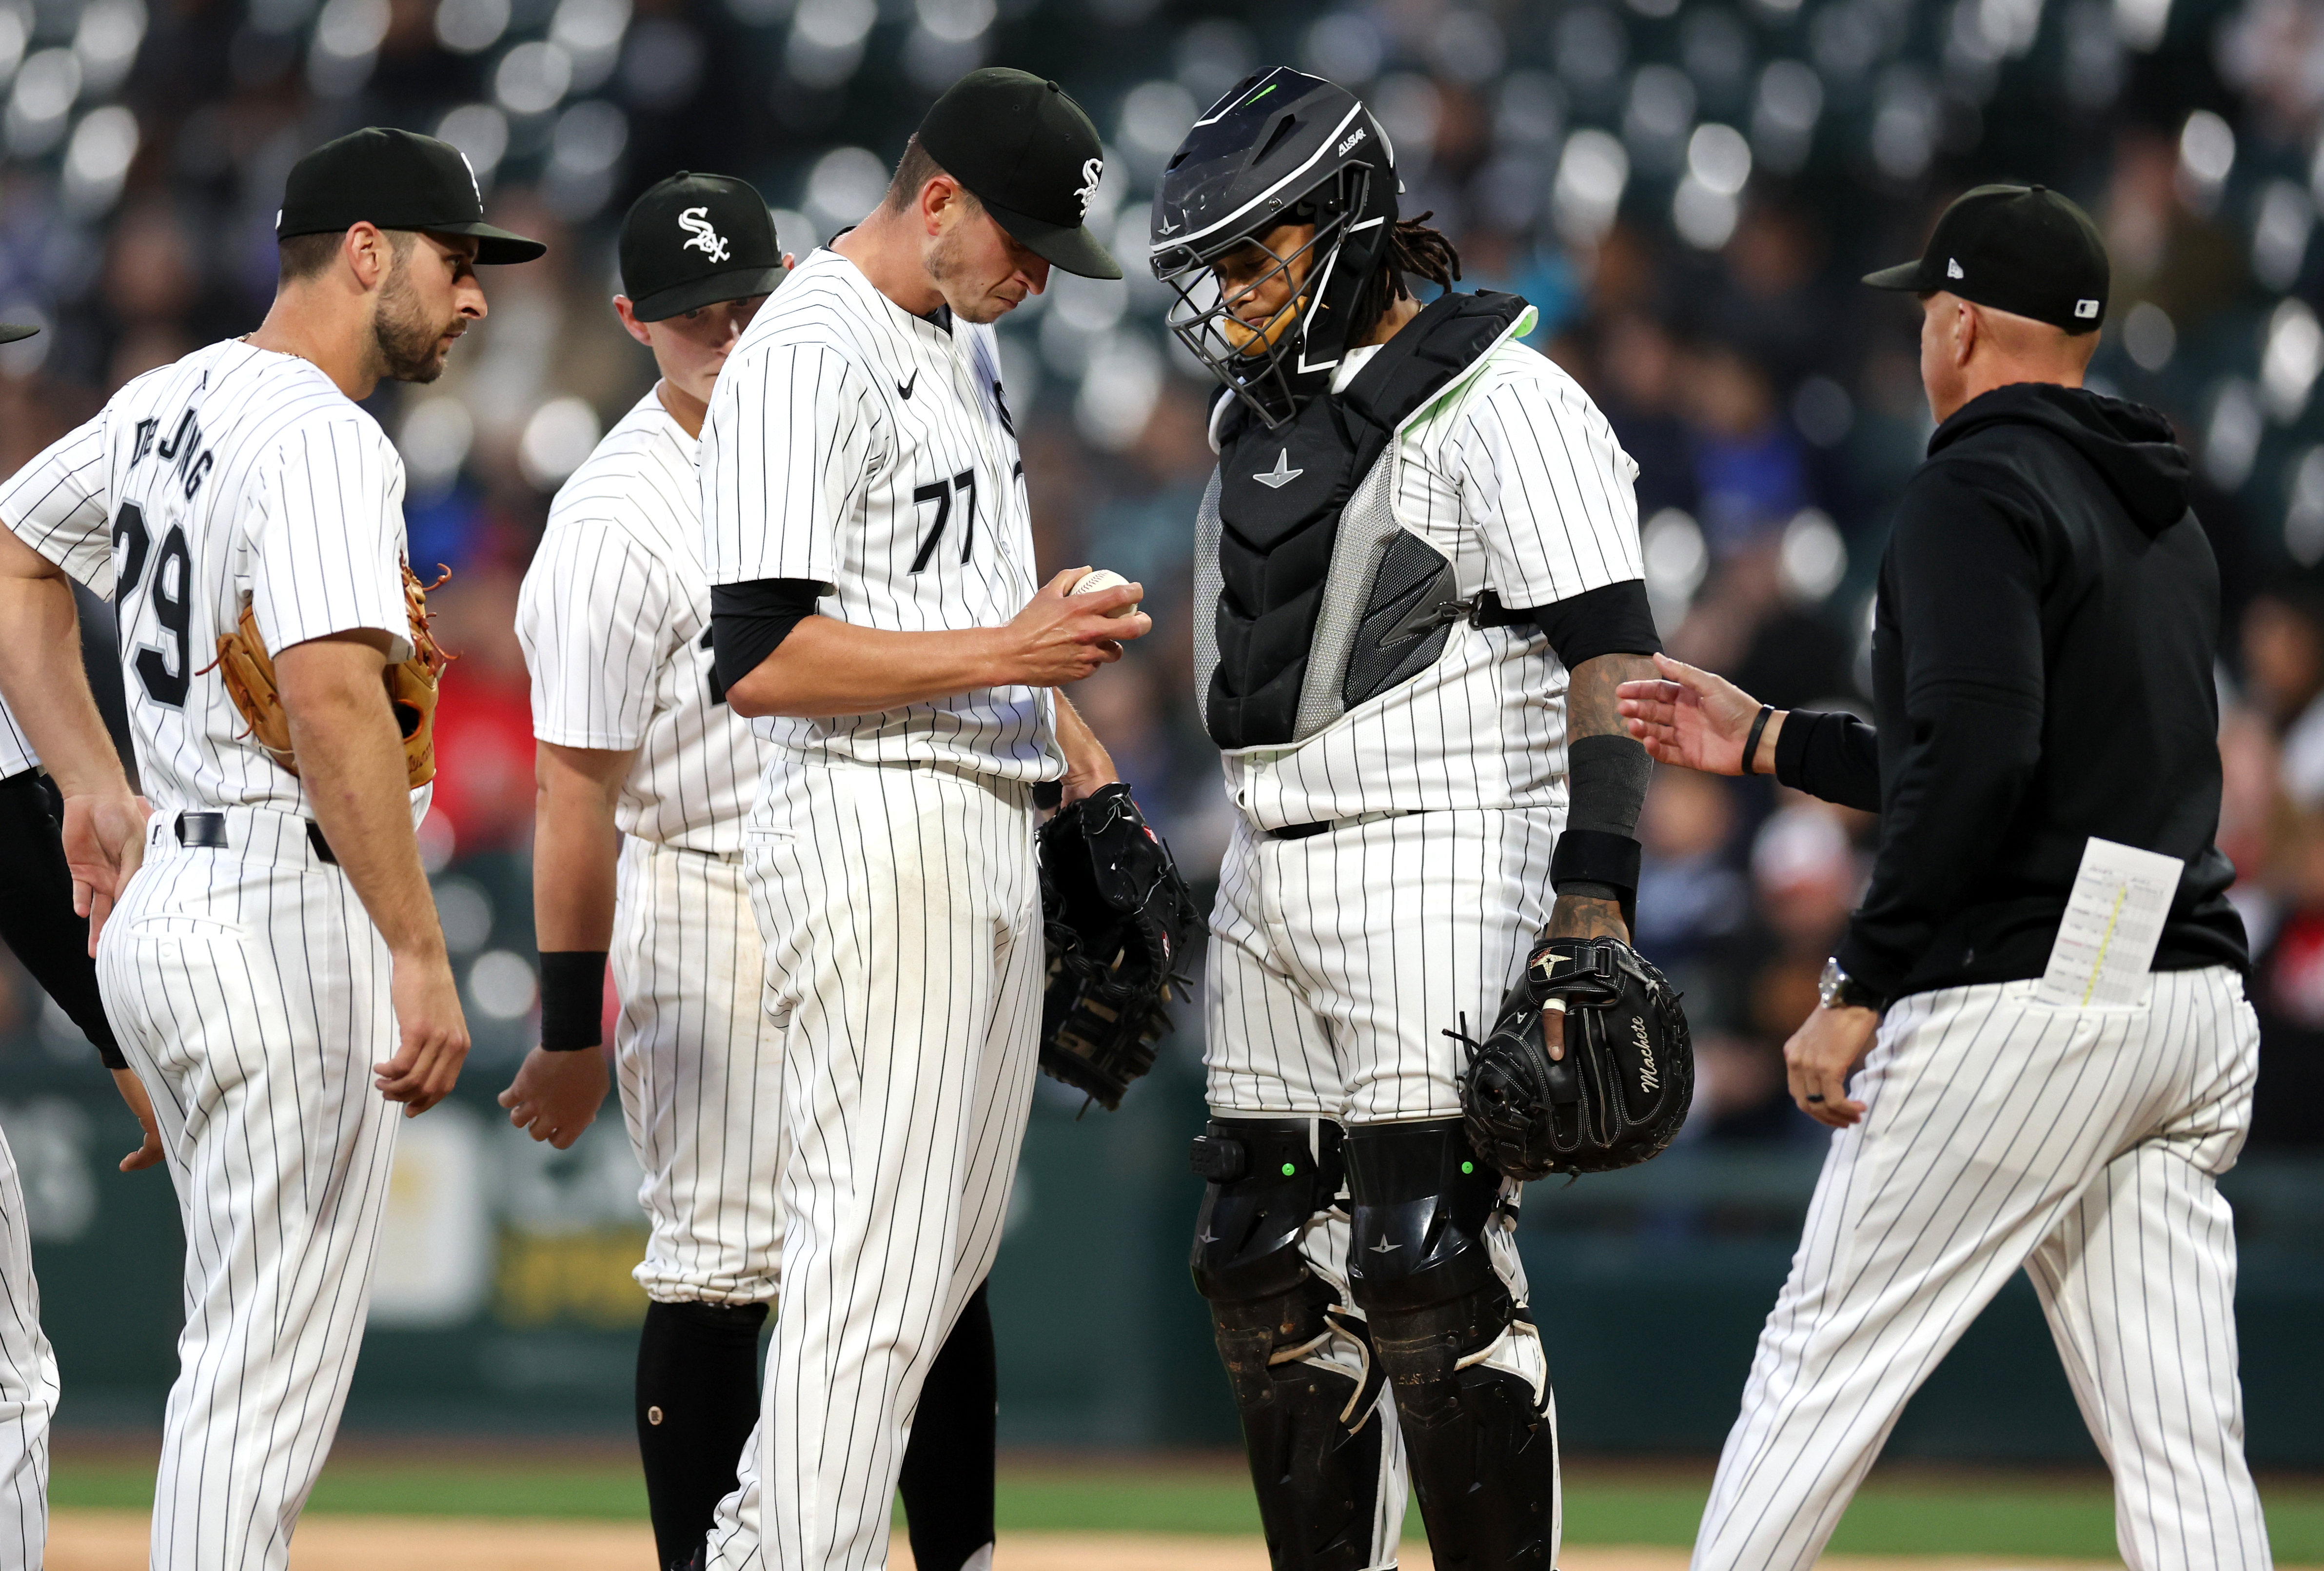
[1281, 147]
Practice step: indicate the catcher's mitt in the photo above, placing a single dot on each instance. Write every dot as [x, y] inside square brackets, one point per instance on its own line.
[1619, 1093]
[248, 671]
[1119, 923]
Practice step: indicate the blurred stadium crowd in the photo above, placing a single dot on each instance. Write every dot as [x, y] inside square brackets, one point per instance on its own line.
[1687, 189]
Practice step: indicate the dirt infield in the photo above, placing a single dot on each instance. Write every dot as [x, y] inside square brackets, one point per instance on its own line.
[100, 1540]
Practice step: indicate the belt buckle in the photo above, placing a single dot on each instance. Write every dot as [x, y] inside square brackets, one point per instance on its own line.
[201, 831]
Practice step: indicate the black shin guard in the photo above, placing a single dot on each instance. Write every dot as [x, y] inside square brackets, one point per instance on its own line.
[947, 1477]
[698, 1401]
[1313, 1433]
[1483, 1458]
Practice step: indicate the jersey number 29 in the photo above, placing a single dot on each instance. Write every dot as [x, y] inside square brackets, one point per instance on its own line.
[166, 672]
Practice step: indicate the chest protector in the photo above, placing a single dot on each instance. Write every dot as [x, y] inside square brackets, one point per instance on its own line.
[1309, 598]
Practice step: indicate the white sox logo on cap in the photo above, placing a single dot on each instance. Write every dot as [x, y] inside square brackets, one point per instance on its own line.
[695, 222]
[1091, 169]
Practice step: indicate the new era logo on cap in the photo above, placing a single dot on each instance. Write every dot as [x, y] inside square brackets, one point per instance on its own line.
[2031, 253]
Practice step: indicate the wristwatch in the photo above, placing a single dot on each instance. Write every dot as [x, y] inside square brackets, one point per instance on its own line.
[1836, 989]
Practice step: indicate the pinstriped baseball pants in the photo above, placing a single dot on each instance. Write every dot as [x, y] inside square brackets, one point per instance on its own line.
[1338, 962]
[904, 964]
[2002, 1132]
[28, 1386]
[249, 990]
[700, 1065]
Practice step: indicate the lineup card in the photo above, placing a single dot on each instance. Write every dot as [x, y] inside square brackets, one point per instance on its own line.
[2114, 919]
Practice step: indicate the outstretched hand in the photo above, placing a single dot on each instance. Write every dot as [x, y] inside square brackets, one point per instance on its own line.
[1691, 717]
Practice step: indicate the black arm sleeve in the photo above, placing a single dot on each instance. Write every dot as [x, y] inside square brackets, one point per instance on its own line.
[1612, 619]
[750, 621]
[1835, 756]
[1966, 576]
[37, 918]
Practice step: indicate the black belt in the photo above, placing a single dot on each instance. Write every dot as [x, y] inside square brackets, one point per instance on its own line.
[207, 832]
[1303, 831]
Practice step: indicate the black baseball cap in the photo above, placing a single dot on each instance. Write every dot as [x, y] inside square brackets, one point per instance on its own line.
[397, 179]
[2021, 249]
[1028, 152]
[696, 239]
[11, 331]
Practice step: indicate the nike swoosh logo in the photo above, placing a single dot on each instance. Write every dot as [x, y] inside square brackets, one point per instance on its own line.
[905, 387]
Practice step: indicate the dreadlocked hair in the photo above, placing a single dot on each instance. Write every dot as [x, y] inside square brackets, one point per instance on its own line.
[1416, 250]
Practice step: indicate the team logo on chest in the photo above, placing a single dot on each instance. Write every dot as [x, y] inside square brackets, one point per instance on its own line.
[1282, 474]
[695, 222]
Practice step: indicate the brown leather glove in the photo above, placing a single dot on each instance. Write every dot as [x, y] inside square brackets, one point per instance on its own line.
[248, 671]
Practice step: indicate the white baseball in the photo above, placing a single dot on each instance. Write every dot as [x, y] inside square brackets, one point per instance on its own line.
[1097, 578]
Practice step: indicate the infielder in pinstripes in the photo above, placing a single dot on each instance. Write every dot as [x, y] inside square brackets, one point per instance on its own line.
[2045, 626]
[868, 544]
[646, 774]
[1417, 584]
[274, 965]
[45, 920]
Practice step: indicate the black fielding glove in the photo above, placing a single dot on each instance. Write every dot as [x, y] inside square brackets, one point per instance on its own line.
[1119, 924]
[1617, 1097]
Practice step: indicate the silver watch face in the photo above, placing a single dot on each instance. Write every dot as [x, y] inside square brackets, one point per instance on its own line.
[1827, 984]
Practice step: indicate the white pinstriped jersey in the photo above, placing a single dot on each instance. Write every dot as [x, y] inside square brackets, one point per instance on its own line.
[16, 754]
[1518, 480]
[234, 476]
[615, 617]
[873, 451]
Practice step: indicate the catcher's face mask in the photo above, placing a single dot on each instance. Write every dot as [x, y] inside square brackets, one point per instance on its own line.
[1284, 193]
[1243, 309]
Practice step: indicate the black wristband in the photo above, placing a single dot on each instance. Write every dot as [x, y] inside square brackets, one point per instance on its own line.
[572, 999]
[1751, 743]
[1594, 856]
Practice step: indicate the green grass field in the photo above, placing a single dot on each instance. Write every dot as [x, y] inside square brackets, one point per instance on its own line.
[1968, 1512]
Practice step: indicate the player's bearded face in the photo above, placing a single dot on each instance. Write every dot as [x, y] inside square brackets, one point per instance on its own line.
[413, 335]
[982, 273]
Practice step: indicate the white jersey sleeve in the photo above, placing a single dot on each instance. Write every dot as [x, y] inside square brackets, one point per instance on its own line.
[793, 440]
[16, 754]
[1544, 482]
[593, 617]
[327, 542]
[56, 505]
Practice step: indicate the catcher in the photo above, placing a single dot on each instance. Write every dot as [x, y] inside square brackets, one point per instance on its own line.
[1418, 586]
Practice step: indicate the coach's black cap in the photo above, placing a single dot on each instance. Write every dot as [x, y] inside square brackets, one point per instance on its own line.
[694, 240]
[1031, 155]
[2021, 249]
[397, 179]
[10, 332]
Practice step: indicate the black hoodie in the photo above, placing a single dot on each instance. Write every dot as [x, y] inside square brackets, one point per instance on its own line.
[2042, 672]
